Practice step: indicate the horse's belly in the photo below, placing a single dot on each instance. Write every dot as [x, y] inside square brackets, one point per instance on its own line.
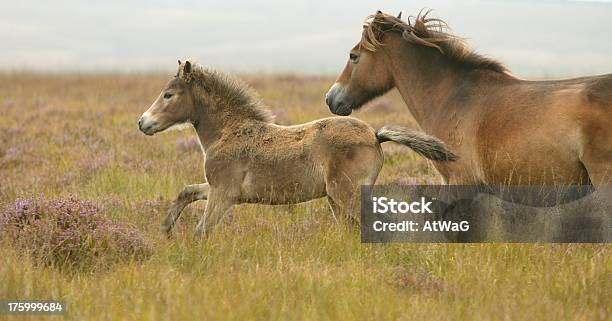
[532, 169]
[532, 149]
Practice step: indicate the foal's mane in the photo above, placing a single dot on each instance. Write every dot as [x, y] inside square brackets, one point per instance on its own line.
[425, 31]
[229, 92]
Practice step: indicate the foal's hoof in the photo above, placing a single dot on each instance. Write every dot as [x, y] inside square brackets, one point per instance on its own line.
[166, 229]
[200, 235]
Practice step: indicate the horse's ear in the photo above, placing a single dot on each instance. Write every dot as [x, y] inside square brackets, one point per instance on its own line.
[179, 62]
[187, 68]
[399, 15]
[378, 12]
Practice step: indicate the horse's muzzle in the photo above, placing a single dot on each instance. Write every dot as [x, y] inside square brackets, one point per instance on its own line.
[337, 101]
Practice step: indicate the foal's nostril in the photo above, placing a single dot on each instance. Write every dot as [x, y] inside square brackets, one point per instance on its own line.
[140, 123]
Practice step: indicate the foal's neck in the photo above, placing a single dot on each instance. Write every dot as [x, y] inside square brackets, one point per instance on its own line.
[218, 115]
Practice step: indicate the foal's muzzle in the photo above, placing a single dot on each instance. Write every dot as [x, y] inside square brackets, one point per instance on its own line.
[337, 100]
[146, 125]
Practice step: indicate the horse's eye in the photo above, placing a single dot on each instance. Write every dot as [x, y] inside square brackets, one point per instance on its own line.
[354, 57]
[167, 95]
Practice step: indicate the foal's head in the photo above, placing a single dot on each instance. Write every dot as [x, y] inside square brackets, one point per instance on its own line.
[174, 105]
[198, 94]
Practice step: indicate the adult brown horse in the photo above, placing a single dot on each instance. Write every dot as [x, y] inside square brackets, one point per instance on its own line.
[505, 130]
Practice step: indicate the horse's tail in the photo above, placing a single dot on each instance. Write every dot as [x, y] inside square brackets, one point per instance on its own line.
[425, 145]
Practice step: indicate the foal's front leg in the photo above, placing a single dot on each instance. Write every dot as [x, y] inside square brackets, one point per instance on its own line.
[219, 202]
[190, 194]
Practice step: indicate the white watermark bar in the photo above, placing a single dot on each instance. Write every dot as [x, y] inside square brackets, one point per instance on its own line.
[486, 214]
[32, 307]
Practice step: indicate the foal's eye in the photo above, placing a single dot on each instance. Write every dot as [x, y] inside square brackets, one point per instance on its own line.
[354, 57]
[167, 95]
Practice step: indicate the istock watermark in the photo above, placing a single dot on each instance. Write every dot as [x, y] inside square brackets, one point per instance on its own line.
[383, 205]
[522, 214]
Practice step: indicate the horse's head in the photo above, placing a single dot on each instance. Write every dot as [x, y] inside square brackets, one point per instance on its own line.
[365, 77]
[173, 106]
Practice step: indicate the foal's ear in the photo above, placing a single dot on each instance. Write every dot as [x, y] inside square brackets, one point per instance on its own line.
[179, 62]
[399, 15]
[187, 68]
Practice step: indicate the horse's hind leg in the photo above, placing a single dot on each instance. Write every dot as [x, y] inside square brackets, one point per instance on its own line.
[190, 194]
[597, 149]
[600, 171]
[600, 175]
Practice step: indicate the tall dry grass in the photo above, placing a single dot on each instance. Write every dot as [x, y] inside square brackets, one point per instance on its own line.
[77, 135]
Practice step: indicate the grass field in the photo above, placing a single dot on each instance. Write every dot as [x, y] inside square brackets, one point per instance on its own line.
[77, 134]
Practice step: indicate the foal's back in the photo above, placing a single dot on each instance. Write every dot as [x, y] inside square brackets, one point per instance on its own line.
[276, 164]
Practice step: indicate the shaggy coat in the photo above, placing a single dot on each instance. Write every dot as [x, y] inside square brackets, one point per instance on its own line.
[249, 159]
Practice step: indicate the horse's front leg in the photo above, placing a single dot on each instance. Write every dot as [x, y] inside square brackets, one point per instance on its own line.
[190, 194]
[219, 202]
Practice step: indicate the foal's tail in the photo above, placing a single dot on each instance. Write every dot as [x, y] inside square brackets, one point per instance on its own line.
[426, 145]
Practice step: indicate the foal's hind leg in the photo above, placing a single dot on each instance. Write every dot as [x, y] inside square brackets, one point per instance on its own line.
[190, 194]
[339, 211]
[343, 182]
[219, 202]
[343, 198]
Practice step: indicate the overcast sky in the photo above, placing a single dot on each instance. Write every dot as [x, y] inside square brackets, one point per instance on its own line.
[534, 38]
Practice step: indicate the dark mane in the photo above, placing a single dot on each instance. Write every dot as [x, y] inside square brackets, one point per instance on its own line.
[425, 31]
[229, 91]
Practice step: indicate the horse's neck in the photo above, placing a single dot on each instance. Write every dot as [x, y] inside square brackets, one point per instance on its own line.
[429, 84]
[423, 79]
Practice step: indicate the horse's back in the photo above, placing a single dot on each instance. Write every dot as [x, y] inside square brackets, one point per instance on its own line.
[595, 89]
[599, 91]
